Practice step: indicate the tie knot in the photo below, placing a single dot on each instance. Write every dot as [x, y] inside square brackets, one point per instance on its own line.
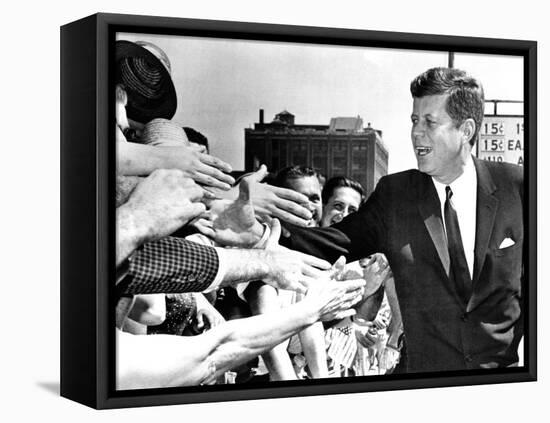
[449, 192]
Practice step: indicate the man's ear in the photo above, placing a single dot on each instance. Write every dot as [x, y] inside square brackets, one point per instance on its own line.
[468, 130]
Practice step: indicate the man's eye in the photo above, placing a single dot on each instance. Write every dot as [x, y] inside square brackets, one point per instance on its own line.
[314, 198]
[352, 209]
[339, 207]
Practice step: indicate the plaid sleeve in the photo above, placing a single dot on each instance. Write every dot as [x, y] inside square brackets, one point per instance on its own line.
[171, 265]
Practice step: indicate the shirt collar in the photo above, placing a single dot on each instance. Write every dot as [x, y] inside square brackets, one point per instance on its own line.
[463, 187]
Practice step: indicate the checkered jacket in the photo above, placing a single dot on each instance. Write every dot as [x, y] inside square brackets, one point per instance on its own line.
[170, 265]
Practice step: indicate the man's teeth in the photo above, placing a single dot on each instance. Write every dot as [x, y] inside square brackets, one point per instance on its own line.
[422, 151]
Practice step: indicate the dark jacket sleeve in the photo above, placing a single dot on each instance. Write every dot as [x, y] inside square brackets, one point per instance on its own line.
[358, 235]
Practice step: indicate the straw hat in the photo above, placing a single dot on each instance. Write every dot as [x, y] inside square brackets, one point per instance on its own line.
[144, 71]
[163, 132]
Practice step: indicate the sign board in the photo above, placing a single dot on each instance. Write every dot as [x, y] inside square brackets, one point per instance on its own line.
[501, 139]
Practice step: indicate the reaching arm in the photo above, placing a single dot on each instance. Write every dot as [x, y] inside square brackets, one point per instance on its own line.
[269, 201]
[163, 360]
[313, 345]
[160, 204]
[358, 235]
[281, 268]
[267, 330]
[138, 160]
[149, 310]
[395, 328]
[172, 265]
[207, 316]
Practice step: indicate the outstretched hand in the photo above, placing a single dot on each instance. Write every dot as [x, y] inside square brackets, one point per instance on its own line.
[160, 204]
[135, 159]
[376, 271]
[366, 333]
[289, 269]
[207, 316]
[389, 359]
[335, 300]
[203, 168]
[231, 222]
[270, 201]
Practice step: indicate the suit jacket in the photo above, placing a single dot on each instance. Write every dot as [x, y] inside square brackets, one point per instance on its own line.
[402, 219]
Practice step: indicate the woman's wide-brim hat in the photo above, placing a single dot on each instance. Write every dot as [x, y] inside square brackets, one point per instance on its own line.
[144, 71]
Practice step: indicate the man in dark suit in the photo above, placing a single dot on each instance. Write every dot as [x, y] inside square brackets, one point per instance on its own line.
[452, 232]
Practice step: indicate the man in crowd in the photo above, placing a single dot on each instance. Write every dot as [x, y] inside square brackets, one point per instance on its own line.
[306, 181]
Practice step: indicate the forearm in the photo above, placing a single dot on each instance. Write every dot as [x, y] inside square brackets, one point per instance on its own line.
[244, 265]
[394, 332]
[240, 340]
[160, 361]
[278, 363]
[264, 299]
[149, 310]
[368, 309]
[128, 236]
[358, 235]
[313, 345]
[395, 327]
[137, 159]
[125, 185]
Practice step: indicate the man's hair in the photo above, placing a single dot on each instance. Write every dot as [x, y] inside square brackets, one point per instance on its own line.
[466, 99]
[339, 182]
[293, 172]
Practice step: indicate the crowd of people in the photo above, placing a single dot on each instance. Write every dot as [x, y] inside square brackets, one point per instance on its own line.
[229, 309]
[224, 281]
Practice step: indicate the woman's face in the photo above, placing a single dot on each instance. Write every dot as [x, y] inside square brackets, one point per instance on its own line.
[133, 131]
[344, 200]
[130, 128]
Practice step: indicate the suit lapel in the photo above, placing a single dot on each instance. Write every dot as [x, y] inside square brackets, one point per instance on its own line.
[485, 215]
[430, 211]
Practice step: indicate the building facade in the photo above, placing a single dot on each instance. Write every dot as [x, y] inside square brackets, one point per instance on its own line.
[342, 148]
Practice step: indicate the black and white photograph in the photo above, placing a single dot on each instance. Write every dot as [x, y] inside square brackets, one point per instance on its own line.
[309, 213]
[289, 211]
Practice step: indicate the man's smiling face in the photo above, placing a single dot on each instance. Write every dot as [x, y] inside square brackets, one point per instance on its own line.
[310, 187]
[439, 146]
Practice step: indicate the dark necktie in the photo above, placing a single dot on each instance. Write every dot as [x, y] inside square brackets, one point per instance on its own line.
[459, 266]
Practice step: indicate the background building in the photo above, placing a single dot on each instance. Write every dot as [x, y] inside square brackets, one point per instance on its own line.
[343, 147]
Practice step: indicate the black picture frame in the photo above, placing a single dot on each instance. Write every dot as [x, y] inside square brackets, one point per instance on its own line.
[88, 211]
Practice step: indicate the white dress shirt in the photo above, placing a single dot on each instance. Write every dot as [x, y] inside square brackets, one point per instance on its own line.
[464, 200]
